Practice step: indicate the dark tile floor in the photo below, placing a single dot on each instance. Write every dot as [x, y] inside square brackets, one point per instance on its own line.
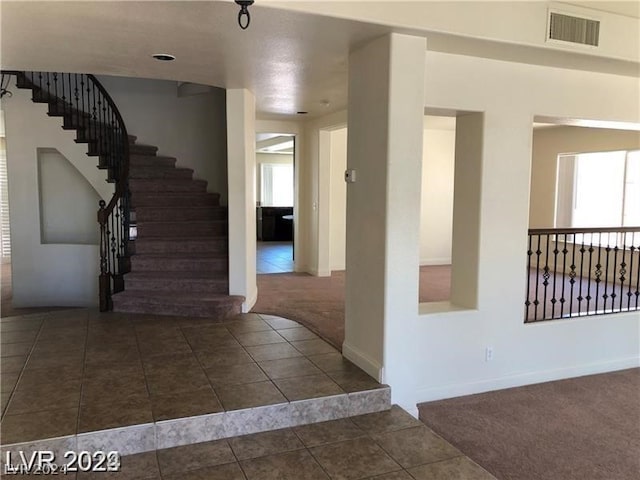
[79, 370]
[389, 445]
[274, 257]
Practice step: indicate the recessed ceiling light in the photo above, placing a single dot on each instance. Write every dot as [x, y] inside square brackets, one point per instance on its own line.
[302, 113]
[163, 57]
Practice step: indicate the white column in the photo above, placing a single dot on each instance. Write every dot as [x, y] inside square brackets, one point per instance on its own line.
[386, 109]
[241, 171]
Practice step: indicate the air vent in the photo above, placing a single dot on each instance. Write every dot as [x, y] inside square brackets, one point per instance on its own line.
[566, 28]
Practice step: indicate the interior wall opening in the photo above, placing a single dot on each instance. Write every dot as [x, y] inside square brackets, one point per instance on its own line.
[584, 222]
[275, 194]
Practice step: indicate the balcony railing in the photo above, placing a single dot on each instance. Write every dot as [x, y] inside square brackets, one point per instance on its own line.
[582, 271]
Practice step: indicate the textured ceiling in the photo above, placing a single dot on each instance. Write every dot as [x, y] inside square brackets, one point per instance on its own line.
[291, 60]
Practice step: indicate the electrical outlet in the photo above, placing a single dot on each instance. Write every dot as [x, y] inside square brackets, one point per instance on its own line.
[488, 354]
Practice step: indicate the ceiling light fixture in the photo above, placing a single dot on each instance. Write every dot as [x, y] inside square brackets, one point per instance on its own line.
[163, 57]
[244, 19]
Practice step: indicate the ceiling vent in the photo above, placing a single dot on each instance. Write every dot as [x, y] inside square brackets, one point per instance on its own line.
[567, 28]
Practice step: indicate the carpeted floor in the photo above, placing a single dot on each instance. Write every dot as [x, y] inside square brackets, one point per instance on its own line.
[318, 302]
[585, 428]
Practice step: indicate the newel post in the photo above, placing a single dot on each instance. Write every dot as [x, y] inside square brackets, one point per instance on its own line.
[104, 285]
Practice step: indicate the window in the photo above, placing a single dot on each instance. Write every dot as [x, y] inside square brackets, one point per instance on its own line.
[598, 190]
[5, 237]
[277, 185]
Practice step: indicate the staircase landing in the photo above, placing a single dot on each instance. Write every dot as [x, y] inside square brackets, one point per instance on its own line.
[84, 380]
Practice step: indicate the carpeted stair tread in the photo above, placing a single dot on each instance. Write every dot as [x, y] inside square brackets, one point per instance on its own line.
[179, 297]
[166, 303]
[200, 275]
[184, 255]
[141, 149]
[160, 172]
[150, 161]
[155, 185]
[180, 213]
[152, 199]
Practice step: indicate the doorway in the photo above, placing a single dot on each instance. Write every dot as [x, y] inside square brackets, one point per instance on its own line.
[275, 193]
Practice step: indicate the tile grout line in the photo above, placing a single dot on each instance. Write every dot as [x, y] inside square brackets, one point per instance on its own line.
[24, 366]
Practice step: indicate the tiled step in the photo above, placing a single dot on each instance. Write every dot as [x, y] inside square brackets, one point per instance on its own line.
[182, 229]
[159, 172]
[163, 303]
[174, 199]
[170, 214]
[169, 245]
[267, 377]
[136, 160]
[183, 262]
[194, 282]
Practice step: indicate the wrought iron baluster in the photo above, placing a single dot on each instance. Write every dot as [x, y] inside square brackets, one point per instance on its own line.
[637, 292]
[555, 270]
[564, 277]
[613, 275]
[598, 273]
[623, 269]
[536, 302]
[545, 276]
[527, 302]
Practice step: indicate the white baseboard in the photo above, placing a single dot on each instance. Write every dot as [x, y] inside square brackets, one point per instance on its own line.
[250, 301]
[320, 272]
[428, 262]
[364, 361]
[510, 381]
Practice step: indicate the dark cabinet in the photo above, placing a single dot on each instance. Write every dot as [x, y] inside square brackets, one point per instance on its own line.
[275, 223]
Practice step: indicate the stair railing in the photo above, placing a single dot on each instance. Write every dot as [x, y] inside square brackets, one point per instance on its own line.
[86, 107]
[582, 271]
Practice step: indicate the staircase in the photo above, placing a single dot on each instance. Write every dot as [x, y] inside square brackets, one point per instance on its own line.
[179, 260]
[178, 264]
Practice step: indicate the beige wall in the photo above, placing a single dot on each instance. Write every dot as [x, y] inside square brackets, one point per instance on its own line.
[338, 198]
[548, 143]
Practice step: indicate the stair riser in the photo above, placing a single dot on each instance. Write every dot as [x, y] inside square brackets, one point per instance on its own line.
[143, 149]
[142, 246]
[156, 214]
[181, 229]
[141, 185]
[136, 161]
[157, 172]
[220, 311]
[170, 285]
[141, 263]
[148, 199]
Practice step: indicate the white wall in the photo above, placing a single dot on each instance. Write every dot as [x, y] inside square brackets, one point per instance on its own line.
[191, 128]
[241, 115]
[67, 201]
[437, 196]
[548, 143]
[436, 221]
[47, 274]
[452, 340]
[338, 198]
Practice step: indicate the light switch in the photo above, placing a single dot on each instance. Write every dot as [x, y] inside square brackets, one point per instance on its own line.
[350, 175]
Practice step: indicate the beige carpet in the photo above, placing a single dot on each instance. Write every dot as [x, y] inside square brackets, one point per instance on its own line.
[318, 302]
[585, 428]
